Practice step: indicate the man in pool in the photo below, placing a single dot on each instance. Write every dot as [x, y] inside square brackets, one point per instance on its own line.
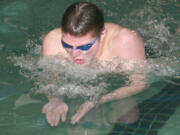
[83, 37]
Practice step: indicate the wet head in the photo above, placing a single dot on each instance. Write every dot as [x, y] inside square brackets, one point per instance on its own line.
[82, 25]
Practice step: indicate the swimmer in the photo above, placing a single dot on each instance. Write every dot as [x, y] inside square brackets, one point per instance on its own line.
[84, 37]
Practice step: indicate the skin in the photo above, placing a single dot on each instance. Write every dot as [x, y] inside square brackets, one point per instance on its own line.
[114, 41]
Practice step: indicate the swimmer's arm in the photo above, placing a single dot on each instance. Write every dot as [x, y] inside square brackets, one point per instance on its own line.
[129, 46]
[49, 48]
[138, 84]
[56, 109]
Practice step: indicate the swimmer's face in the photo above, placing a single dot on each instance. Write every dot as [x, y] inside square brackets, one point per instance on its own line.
[82, 49]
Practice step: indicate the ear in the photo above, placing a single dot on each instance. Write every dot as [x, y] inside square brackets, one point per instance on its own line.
[103, 33]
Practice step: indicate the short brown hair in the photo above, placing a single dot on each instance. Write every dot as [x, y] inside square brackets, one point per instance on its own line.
[81, 18]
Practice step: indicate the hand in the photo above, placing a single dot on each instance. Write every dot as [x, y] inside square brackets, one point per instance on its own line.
[55, 110]
[83, 109]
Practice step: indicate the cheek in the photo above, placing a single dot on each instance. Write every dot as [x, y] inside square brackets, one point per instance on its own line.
[88, 53]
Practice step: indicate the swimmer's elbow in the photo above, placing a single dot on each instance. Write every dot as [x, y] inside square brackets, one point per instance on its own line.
[141, 86]
[139, 83]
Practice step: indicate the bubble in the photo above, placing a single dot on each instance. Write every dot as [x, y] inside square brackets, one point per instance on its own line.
[66, 78]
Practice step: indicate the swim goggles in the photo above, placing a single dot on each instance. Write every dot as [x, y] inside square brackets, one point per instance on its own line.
[82, 47]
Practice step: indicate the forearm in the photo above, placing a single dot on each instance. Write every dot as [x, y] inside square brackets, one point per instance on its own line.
[137, 85]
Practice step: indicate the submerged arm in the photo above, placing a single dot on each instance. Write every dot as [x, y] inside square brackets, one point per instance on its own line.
[138, 83]
[129, 46]
[56, 109]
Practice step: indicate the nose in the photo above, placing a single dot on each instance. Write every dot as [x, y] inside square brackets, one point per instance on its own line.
[75, 52]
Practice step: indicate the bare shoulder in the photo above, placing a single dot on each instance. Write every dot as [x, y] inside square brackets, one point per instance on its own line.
[52, 35]
[51, 42]
[127, 44]
[112, 27]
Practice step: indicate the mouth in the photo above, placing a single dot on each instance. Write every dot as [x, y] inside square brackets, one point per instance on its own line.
[79, 61]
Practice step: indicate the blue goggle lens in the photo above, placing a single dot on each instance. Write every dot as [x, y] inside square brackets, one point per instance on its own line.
[83, 47]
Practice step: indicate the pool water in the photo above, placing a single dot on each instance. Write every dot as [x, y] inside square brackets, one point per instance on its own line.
[24, 23]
